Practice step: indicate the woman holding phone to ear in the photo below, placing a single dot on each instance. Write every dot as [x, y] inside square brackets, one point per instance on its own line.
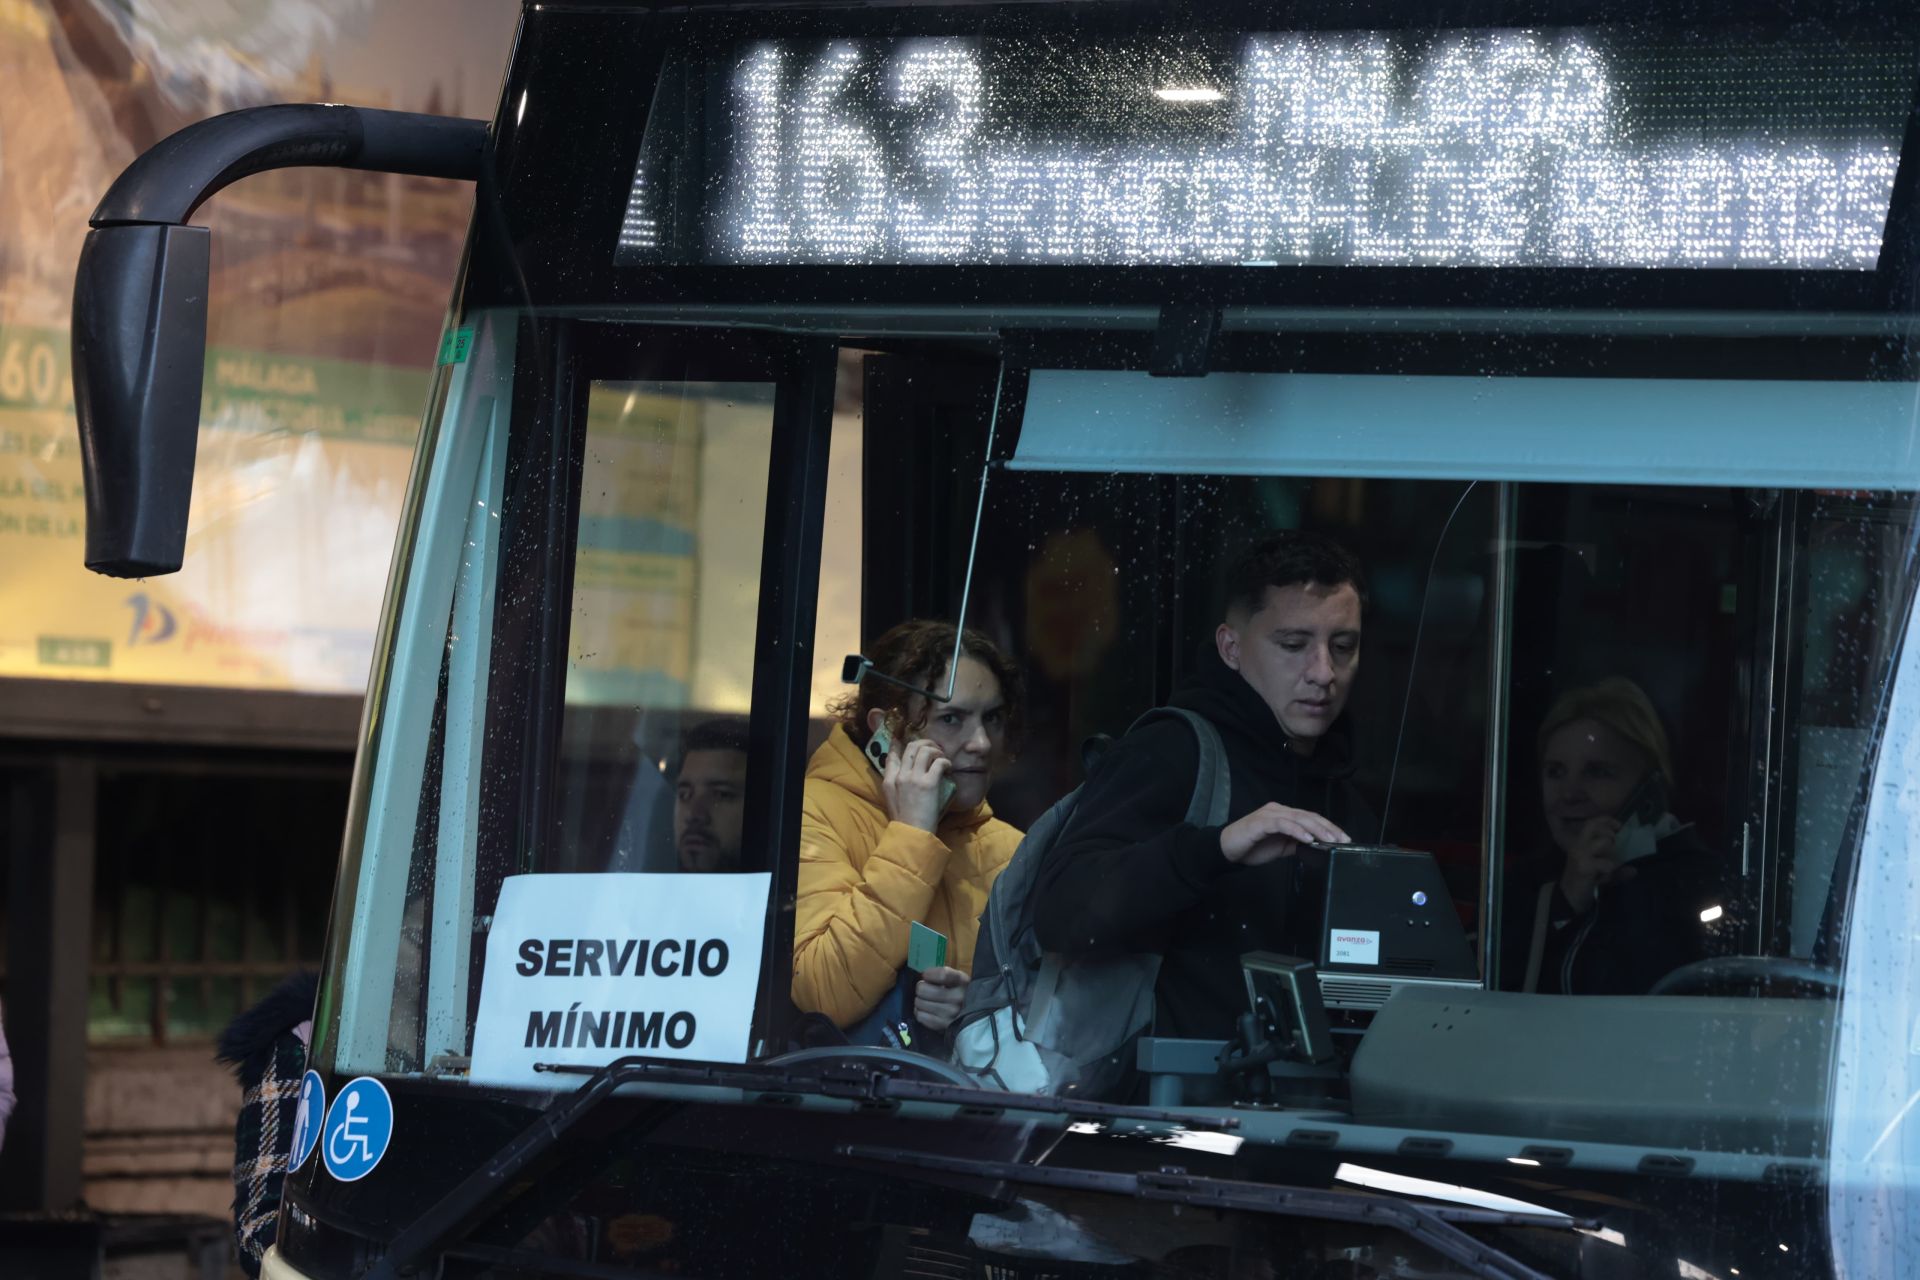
[1635, 894]
[895, 829]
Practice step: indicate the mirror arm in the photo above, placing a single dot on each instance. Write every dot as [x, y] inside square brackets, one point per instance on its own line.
[140, 301]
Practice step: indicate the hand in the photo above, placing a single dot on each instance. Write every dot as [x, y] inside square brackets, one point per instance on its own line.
[1274, 831]
[937, 997]
[911, 783]
[1591, 862]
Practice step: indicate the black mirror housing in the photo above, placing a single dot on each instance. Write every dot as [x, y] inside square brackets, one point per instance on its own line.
[139, 359]
[140, 300]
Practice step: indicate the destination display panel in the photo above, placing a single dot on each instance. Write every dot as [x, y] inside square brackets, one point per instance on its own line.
[1581, 148]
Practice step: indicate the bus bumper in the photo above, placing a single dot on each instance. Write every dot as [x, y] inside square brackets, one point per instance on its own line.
[274, 1267]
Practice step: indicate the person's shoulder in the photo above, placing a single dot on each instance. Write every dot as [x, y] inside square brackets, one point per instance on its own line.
[1682, 863]
[819, 800]
[837, 823]
[1682, 842]
[831, 783]
[248, 1036]
[1000, 836]
[1158, 759]
[1163, 734]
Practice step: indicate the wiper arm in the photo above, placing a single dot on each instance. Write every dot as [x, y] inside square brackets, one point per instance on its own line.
[466, 1204]
[866, 1080]
[1434, 1227]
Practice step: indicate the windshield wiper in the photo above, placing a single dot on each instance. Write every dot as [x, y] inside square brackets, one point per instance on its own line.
[1435, 1227]
[534, 1263]
[466, 1205]
[866, 1080]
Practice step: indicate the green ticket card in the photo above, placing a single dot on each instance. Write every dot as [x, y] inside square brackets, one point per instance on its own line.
[926, 948]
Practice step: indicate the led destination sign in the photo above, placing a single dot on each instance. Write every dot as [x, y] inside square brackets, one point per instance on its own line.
[1556, 148]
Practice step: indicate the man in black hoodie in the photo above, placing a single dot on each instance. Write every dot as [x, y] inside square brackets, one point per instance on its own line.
[1130, 876]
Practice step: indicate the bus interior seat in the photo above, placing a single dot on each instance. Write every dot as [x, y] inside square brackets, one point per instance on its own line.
[1701, 1072]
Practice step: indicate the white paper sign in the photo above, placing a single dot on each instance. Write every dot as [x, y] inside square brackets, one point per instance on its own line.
[1353, 946]
[589, 968]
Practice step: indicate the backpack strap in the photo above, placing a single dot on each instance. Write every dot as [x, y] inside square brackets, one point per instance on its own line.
[1207, 808]
[1212, 783]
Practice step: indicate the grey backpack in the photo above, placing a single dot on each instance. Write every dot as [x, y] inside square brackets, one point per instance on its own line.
[1040, 1022]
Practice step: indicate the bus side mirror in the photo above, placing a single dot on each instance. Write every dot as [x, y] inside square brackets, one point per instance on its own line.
[140, 300]
[139, 355]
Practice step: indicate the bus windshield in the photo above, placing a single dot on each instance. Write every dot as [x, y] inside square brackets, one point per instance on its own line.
[1343, 590]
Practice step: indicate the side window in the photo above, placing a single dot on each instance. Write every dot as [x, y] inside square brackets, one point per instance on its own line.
[666, 579]
[1635, 617]
[666, 585]
[1736, 639]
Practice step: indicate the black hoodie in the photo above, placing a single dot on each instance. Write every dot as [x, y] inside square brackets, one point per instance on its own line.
[1130, 875]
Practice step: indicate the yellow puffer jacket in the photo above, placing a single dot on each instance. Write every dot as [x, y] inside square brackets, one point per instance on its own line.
[865, 879]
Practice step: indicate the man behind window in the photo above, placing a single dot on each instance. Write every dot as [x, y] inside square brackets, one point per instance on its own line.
[709, 796]
[1129, 875]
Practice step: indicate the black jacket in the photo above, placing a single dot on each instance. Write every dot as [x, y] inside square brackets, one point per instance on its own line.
[1636, 931]
[1130, 875]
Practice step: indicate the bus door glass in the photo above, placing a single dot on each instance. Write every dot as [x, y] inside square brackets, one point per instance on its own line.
[576, 692]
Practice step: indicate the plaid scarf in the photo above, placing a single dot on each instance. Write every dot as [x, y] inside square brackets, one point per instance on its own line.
[269, 1060]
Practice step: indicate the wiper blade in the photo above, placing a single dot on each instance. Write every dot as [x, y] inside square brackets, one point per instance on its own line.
[858, 1080]
[1434, 1227]
[866, 1080]
[529, 1261]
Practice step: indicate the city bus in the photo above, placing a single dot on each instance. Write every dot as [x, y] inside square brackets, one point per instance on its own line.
[1586, 325]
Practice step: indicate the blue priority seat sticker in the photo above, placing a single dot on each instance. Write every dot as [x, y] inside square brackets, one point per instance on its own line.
[359, 1129]
[306, 1123]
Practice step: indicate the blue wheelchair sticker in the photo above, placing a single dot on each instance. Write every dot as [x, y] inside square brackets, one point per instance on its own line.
[359, 1129]
[306, 1123]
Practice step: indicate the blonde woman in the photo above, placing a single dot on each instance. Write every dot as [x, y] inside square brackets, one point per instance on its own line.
[1637, 893]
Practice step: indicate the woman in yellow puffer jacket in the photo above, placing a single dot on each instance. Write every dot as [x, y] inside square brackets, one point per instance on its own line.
[879, 851]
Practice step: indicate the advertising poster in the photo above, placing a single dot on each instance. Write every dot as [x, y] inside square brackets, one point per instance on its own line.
[329, 293]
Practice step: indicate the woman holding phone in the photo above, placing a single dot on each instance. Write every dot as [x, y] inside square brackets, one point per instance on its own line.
[1635, 893]
[895, 831]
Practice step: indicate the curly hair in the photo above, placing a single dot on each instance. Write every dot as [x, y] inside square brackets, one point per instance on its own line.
[1291, 558]
[917, 651]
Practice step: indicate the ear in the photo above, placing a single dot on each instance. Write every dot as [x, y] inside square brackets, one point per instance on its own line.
[1227, 641]
[875, 718]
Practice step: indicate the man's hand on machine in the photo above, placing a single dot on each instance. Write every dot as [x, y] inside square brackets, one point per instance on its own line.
[1274, 831]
